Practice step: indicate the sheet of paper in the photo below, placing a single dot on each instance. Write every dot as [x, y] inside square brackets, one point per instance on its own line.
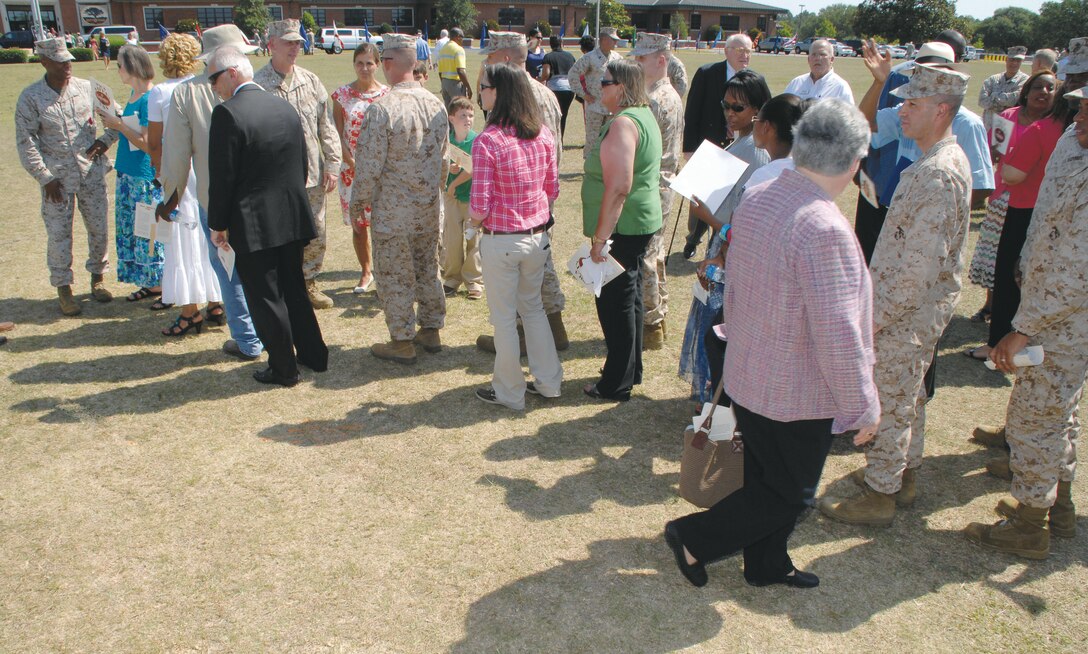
[133, 122]
[724, 426]
[164, 232]
[868, 188]
[710, 174]
[1000, 134]
[699, 293]
[593, 275]
[145, 218]
[463, 158]
[226, 257]
[103, 97]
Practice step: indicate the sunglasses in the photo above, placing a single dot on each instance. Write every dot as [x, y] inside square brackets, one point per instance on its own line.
[214, 77]
[735, 108]
[608, 82]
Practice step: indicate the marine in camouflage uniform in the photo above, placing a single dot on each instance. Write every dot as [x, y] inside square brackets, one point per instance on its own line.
[1042, 422]
[678, 75]
[916, 284]
[999, 92]
[53, 133]
[585, 80]
[401, 162]
[305, 92]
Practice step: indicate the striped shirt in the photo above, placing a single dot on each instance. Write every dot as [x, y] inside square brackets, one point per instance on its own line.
[798, 309]
[513, 180]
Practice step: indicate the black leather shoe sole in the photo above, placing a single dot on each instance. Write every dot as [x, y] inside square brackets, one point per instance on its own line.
[231, 348]
[798, 579]
[696, 574]
[266, 376]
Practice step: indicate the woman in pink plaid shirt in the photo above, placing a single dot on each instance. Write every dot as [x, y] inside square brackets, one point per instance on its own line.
[514, 180]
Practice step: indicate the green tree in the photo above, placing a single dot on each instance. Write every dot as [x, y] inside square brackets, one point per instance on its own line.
[1008, 27]
[250, 15]
[455, 13]
[678, 25]
[187, 25]
[824, 27]
[613, 14]
[544, 27]
[917, 21]
[1059, 22]
[309, 23]
[842, 17]
[784, 29]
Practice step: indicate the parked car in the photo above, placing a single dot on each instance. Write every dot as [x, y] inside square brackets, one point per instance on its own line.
[117, 34]
[970, 53]
[896, 51]
[855, 44]
[335, 41]
[17, 39]
[773, 44]
[842, 50]
[804, 46]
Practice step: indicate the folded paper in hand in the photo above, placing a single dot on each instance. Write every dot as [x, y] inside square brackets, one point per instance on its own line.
[226, 257]
[710, 175]
[1031, 355]
[724, 425]
[146, 225]
[592, 274]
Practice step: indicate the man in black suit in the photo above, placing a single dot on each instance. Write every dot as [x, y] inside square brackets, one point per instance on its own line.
[258, 206]
[704, 118]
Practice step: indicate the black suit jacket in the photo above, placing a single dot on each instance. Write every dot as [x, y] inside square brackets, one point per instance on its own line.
[703, 117]
[257, 168]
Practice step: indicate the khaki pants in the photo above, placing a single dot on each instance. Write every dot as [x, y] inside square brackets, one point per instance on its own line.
[460, 258]
[313, 255]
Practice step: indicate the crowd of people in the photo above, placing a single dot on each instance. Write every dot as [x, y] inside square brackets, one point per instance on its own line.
[813, 328]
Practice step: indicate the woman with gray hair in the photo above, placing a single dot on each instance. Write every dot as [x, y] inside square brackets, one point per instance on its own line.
[137, 263]
[799, 365]
[621, 210]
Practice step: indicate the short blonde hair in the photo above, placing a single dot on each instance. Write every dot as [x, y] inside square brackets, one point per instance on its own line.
[177, 54]
[631, 80]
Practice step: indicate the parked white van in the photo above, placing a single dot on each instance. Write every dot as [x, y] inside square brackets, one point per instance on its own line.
[113, 30]
[349, 39]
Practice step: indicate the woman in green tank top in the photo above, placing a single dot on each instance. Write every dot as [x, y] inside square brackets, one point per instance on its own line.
[621, 204]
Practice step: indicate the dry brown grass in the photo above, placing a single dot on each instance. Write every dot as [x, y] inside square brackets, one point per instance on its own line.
[155, 498]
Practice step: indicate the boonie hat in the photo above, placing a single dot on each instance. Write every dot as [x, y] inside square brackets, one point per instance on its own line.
[928, 80]
[221, 35]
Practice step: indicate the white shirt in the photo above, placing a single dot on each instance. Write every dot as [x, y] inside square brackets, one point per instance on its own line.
[770, 170]
[439, 43]
[830, 85]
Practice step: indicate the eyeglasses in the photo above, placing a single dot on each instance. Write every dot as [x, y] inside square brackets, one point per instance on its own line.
[214, 77]
[735, 108]
[608, 82]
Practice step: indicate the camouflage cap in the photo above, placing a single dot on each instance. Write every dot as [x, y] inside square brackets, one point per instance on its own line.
[53, 49]
[1079, 94]
[502, 40]
[611, 33]
[1078, 56]
[646, 43]
[288, 30]
[928, 80]
[1017, 52]
[391, 41]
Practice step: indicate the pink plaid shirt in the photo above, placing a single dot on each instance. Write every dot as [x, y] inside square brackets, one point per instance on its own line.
[798, 309]
[514, 181]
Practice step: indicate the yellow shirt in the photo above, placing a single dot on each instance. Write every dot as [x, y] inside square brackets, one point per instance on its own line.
[450, 58]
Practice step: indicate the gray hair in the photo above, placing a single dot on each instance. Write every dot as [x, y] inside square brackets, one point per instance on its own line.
[1046, 57]
[830, 137]
[229, 56]
[738, 40]
[953, 101]
[136, 62]
[632, 80]
[821, 42]
[443, 34]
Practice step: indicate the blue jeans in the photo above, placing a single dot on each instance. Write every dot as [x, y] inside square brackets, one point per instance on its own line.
[234, 300]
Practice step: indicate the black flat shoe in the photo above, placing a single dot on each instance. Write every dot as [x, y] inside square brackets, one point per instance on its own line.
[696, 574]
[266, 376]
[592, 391]
[799, 579]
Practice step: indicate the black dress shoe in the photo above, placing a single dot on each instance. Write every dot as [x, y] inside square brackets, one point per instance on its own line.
[689, 251]
[799, 579]
[592, 391]
[266, 376]
[231, 348]
[696, 573]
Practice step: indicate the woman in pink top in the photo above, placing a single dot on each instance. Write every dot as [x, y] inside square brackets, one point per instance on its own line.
[352, 101]
[514, 181]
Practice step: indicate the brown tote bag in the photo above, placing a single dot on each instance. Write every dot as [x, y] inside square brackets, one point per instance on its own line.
[710, 470]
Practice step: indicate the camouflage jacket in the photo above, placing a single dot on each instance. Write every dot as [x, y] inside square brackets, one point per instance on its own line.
[308, 96]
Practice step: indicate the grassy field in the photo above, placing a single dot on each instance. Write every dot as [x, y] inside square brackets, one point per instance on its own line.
[155, 498]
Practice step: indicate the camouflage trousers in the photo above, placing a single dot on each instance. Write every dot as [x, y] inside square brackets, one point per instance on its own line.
[902, 359]
[550, 292]
[655, 294]
[1042, 424]
[313, 255]
[594, 123]
[58, 218]
[406, 266]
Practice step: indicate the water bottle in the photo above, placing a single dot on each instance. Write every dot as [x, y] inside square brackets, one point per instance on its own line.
[715, 274]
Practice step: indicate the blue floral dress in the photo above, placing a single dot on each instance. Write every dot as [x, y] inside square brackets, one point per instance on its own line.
[136, 264]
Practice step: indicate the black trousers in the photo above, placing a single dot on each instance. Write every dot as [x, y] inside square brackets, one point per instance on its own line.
[565, 99]
[783, 462]
[715, 356]
[1006, 297]
[868, 221]
[696, 229]
[620, 312]
[281, 310]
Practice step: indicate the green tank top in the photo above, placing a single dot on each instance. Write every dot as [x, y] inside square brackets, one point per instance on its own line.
[641, 213]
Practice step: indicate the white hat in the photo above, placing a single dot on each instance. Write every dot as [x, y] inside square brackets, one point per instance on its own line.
[219, 36]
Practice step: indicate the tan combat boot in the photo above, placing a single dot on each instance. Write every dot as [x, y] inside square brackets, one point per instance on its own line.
[398, 351]
[999, 468]
[98, 289]
[1061, 518]
[990, 436]
[486, 342]
[559, 332]
[318, 300]
[653, 336]
[871, 508]
[68, 304]
[1024, 534]
[429, 339]
[908, 492]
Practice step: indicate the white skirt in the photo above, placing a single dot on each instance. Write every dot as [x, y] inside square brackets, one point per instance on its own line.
[187, 276]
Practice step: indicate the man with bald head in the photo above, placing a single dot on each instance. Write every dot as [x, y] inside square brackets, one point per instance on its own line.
[704, 119]
[821, 81]
[401, 162]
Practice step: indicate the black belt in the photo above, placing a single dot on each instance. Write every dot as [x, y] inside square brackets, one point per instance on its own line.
[532, 230]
